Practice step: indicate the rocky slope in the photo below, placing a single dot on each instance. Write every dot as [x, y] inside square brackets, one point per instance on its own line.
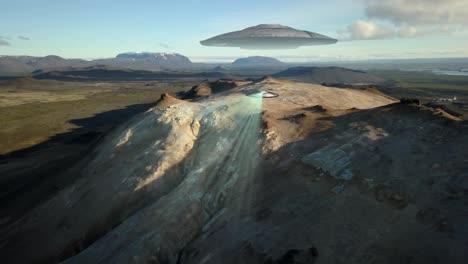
[317, 174]
[209, 88]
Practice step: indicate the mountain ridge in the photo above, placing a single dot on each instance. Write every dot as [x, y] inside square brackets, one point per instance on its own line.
[257, 61]
[132, 60]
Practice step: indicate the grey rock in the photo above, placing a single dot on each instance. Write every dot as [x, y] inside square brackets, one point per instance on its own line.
[333, 160]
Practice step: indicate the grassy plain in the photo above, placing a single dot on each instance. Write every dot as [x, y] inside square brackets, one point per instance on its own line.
[31, 111]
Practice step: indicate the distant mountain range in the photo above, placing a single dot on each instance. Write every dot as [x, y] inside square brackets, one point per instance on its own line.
[26, 64]
[147, 61]
[132, 60]
[255, 65]
[150, 61]
[256, 61]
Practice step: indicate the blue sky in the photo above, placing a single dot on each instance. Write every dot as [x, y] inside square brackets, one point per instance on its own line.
[100, 29]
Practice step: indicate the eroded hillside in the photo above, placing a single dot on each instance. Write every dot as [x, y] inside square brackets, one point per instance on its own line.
[317, 174]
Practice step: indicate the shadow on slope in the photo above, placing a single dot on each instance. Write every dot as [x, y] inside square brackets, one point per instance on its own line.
[30, 175]
[402, 204]
[202, 180]
[396, 207]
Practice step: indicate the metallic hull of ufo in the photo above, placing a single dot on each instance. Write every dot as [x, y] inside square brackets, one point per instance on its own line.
[263, 95]
[267, 36]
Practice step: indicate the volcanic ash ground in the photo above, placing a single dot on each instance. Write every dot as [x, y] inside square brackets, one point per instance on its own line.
[317, 174]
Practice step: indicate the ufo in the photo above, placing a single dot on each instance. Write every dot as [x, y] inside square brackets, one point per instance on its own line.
[268, 36]
[263, 95]
[260, 93]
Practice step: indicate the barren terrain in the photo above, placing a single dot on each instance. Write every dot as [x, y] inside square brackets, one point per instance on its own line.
[317, 174]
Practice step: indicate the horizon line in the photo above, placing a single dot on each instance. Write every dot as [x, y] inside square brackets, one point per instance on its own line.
[284, 58]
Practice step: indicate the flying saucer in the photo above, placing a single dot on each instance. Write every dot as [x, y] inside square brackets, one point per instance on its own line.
[259, 93]
[268, 36]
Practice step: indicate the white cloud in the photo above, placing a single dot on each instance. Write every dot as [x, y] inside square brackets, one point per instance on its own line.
[419, 12]
[164, 45]
[4, 42]
[407, 19]
[410, 31]
[368, 30]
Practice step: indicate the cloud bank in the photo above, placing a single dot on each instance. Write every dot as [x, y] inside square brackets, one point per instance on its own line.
[4, 42]
[419, 12]
[406, 19]
[164, 45]
[367, 30]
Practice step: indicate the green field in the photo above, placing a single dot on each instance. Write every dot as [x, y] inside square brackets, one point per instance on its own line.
[33, 111]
